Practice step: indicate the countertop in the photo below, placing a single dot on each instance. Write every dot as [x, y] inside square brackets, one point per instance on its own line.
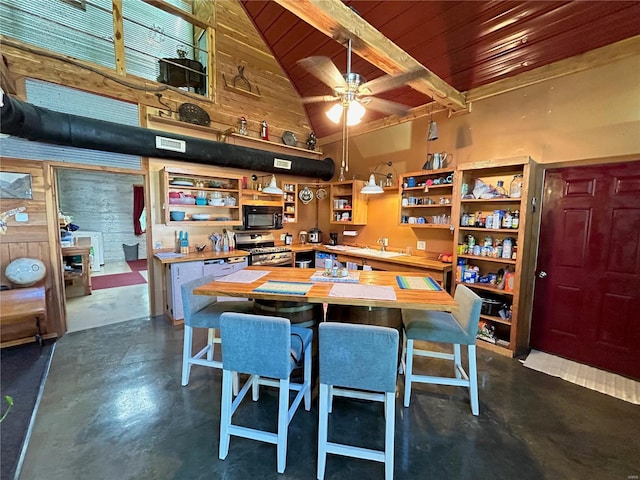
[407, 260]
[206, 255]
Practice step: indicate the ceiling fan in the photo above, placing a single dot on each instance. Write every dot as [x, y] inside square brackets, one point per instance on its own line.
[352, 92]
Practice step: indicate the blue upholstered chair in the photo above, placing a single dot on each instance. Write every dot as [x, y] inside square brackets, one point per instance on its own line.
[202, 311]
[357, 361]
[459, 328]
[268, 349]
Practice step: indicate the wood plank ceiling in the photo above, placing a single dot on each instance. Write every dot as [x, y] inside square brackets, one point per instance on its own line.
[467, 44]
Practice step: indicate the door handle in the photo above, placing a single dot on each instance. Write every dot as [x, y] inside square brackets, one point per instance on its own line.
[542, 274]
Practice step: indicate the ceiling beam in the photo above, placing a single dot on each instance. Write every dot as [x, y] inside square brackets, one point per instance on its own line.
[339, 22]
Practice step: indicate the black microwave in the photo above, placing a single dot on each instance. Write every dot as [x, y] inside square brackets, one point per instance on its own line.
[261, 217]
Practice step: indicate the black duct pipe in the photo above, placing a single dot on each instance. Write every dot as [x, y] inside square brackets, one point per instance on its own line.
[40, 124]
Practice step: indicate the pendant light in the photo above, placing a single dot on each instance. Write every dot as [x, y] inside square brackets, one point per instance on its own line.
[272, 188]
[372, 187]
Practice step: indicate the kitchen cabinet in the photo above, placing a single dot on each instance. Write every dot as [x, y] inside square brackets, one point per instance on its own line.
[491, 246]
[290, 198]
[177, 274]
[205, 199]
[348, 205]
[426, 199]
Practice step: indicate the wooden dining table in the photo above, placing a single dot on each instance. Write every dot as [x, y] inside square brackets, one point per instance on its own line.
[320, 292]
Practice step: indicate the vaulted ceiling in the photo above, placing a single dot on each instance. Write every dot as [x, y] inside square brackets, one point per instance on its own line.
[460, 45]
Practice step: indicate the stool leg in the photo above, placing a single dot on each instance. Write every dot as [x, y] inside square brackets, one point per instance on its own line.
[307, 378]
[390, 420]
[408, 372]
[255, 388]
[225, 414]
[457, 360]
[283, 424]
[403, 356]
[211, 333]
[323, 419]
[473, 380]
[186, 354]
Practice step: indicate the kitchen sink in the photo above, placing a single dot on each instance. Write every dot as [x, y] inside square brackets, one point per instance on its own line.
[375, 253]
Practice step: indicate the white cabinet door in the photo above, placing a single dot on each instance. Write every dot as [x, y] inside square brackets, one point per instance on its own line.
[178, 274]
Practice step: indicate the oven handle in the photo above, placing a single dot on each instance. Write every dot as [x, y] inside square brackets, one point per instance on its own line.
[276, 264]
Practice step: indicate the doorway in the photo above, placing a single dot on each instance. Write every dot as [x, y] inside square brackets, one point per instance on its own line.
[100, 206]
[587, 292]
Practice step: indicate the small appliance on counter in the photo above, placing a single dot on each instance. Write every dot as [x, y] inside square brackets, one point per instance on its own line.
[288, 239]
[333, 238]
[315, 235]
[303, 237]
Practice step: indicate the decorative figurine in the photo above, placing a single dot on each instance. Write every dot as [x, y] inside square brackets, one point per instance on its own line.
[243, 126]
[311, 141]
[264, 130]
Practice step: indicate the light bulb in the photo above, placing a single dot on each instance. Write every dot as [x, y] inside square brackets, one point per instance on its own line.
[335, 113]
[355, 113]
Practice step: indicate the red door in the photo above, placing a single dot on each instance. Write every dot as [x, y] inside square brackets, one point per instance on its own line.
[587, 295]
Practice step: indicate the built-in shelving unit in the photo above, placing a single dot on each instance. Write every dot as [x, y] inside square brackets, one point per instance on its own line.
[348, 205]
[290, 198]
[426, 199]
[499, 273]
[219, 197]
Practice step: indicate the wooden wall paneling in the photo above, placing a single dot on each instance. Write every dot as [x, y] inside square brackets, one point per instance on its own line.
[58, 300]
[32, 240]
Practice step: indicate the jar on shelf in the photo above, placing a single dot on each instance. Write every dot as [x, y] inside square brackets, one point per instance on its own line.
[500, 191]
[515, 189]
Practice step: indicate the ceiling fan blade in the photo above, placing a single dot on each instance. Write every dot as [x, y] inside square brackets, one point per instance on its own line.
[319, 98]
[389, 82]
[325, 70]
[385, 106]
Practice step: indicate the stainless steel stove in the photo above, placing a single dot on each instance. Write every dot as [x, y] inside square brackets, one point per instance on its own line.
[263, 251]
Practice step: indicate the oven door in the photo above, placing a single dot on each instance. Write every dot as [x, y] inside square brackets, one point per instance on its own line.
[268, 259]
[259, 217]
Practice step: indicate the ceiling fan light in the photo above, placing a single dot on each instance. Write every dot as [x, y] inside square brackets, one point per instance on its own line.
[355, 113]
[371, 187]
[335, 113]
[272, 188]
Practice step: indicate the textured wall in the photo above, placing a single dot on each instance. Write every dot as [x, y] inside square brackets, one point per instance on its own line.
[102, 202]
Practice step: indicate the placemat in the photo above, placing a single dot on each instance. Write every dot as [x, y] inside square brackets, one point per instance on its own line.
[418, 283]
[243, 276]
[319, 276]
[289, 288]
[369, 292]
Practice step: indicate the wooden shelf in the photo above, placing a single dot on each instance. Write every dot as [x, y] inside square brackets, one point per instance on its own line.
[496, 319]
[436, 226]
[486, 287]
[516, 329]
[429, 187]
[490, 200]
[230, 213]
[177, 123]
[489, 259]
[236, 137]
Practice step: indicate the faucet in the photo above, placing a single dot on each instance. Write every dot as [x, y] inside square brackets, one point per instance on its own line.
[384, 241]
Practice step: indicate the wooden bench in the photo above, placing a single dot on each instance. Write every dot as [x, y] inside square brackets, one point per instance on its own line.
[21, 305]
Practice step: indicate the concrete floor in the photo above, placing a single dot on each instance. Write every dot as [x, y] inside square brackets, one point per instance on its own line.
[113, 408]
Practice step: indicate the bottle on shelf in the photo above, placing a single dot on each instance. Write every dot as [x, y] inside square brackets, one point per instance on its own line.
[507, 221]
[500, 191]
[515, 220]
[515, 188]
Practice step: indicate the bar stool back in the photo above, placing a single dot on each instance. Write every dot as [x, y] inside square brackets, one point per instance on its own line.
[263, 346]
[458, 329]
[357, 361]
